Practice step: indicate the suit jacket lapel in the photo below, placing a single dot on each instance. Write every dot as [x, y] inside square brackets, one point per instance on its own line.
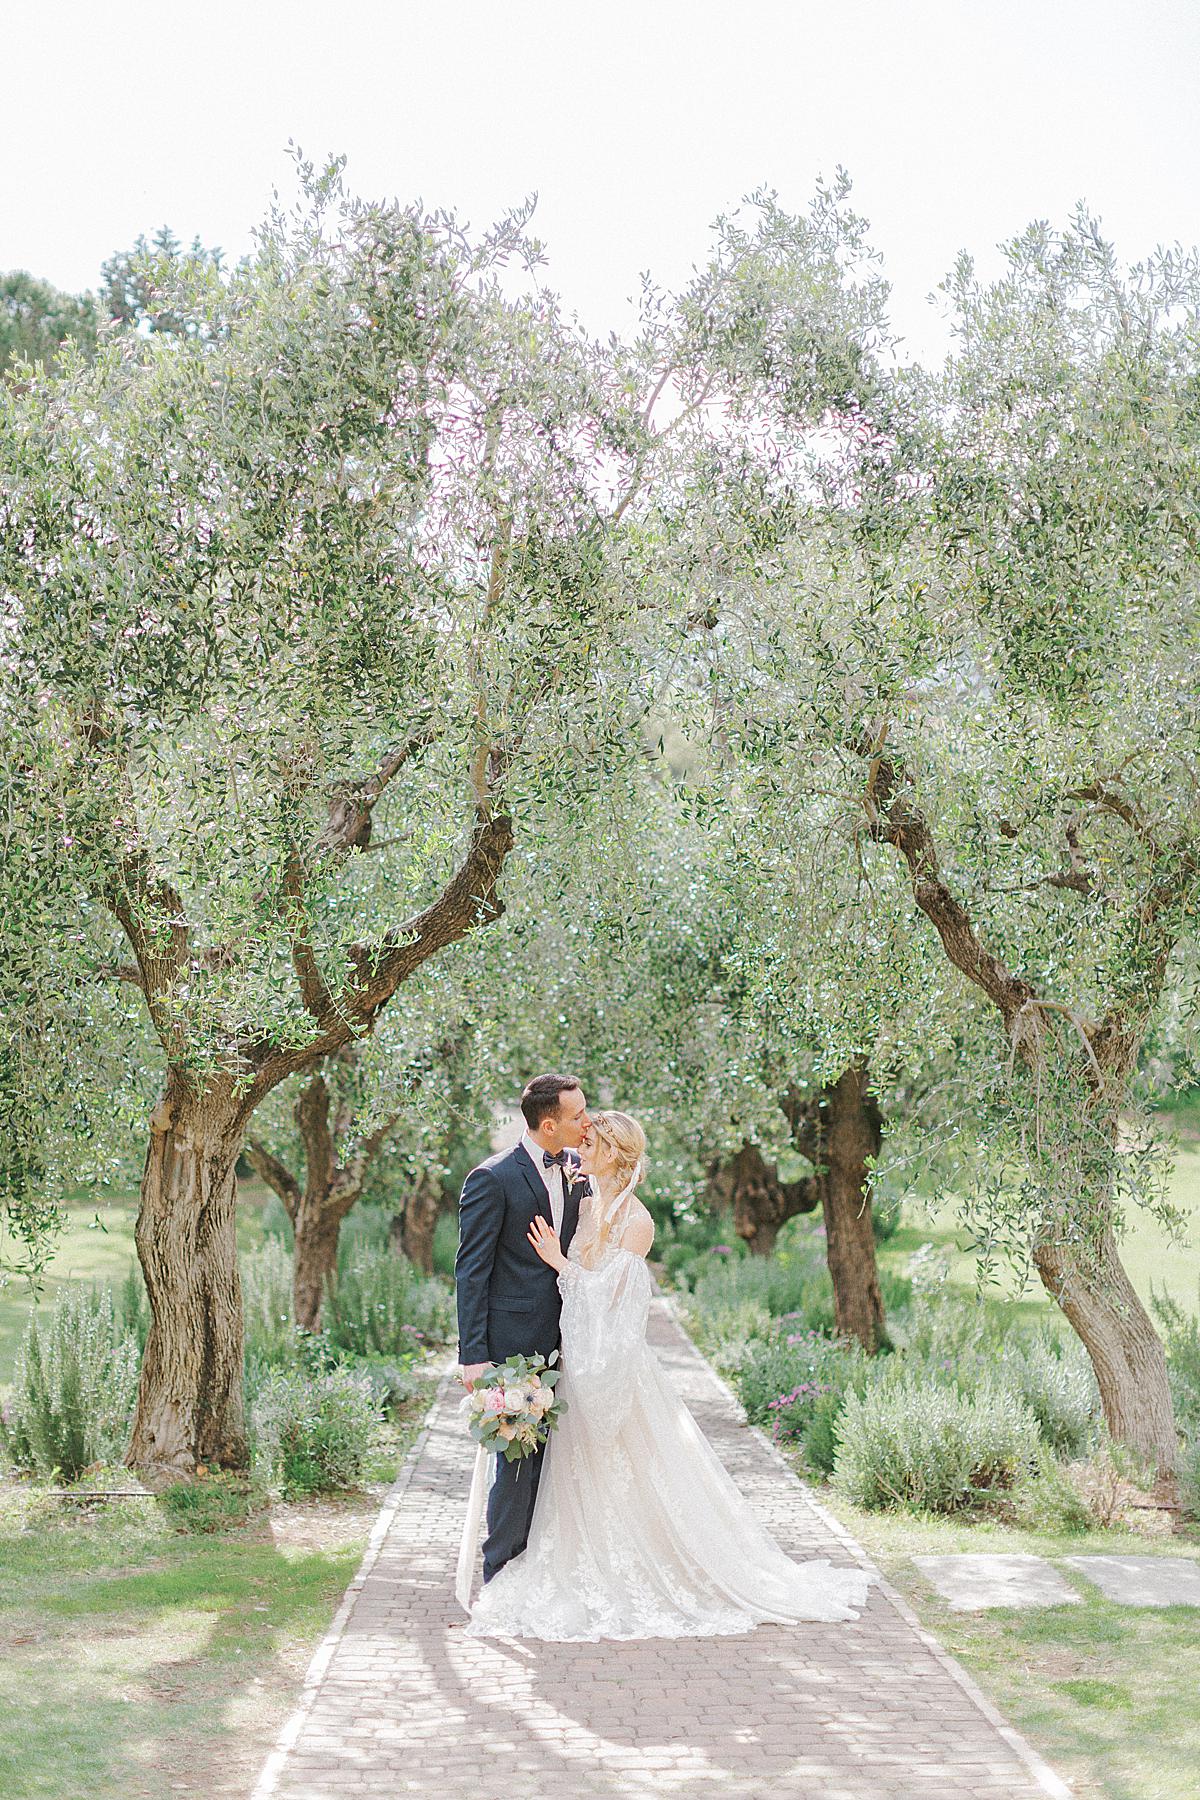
[537, 1185]
[572, 1195]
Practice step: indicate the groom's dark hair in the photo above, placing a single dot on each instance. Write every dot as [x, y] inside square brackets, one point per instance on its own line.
[540, 1098]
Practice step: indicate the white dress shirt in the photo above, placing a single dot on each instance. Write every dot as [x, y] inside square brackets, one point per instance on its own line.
[552, 1177]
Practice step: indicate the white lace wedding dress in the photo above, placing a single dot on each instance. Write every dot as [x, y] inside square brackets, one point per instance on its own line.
[638, 1530]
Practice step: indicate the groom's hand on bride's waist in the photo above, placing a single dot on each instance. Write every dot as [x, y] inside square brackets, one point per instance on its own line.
[472, 1371]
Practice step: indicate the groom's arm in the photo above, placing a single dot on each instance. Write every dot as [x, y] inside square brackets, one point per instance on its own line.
[480, 1216]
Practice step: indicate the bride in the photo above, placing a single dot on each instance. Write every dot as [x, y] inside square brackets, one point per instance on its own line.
[638, 1531]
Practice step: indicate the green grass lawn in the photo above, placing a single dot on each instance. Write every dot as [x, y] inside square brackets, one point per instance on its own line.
[139, 1662]
[1107, 1693]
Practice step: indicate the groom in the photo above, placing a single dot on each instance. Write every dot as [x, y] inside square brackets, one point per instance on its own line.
[508, 1299]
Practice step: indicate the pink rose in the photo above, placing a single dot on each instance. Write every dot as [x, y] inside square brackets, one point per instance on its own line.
[493, 1400]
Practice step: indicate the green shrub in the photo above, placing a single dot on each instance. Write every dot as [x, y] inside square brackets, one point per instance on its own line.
[795, 1383]
[726, 1328]
[792, 1355]
[445, 1244]
[74, 1388]
[394, 1381]
[132, 1306]
[379, 1303]
[929, 1448]
[312, 1434]
[792, 1282]
[688, 1247]
[367, 1224]
[1189, 1478]
[1047, 1499]
[1181, 1335]
[1057, 1383]
[946, 1333]
[267, 1303]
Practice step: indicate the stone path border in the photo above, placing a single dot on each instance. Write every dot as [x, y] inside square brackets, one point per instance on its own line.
[1141, 1580]
[977, 1582]
[267, 1784]
[399, 1701]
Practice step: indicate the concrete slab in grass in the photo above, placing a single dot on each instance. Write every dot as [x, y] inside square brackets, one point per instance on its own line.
[1143, 1580]
[971, 1583]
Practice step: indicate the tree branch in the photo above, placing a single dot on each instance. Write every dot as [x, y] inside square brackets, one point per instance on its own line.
[122, 972]
[353, 1172]
[470, 898]
[347, 828]
[351, 803]
[160, 944]
[894, 819]
[1105, 800]
[311, 1113]
[276, 1176]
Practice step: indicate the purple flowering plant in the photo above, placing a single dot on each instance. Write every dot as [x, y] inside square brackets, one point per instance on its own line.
[792, 1411]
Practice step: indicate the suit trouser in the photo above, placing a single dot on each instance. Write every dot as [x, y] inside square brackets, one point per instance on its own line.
[510, 1510]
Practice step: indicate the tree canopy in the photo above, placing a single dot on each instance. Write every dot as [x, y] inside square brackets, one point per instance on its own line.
[812, 712]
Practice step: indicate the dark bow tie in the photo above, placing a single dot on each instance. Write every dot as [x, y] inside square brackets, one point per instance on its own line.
[558, 1156]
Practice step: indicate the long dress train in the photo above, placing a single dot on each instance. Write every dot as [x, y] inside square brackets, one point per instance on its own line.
[638, 1530]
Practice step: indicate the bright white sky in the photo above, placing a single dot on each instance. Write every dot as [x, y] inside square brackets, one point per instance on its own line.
[959, 120]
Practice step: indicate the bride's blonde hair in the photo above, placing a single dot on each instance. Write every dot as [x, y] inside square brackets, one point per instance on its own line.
[625, 1140]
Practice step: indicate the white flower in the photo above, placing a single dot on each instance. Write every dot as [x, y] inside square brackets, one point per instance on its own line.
[541, 1400]
[516, 1399]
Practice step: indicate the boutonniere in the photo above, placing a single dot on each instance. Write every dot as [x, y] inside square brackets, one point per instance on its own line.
[574, 1174]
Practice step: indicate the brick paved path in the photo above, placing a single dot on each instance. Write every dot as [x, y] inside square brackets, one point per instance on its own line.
[399, 1701]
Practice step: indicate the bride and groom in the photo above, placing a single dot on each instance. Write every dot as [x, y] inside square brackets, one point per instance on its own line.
[626, 1525]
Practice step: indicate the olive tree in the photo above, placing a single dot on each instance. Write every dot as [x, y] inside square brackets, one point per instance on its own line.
[970, 630]
[321, 569]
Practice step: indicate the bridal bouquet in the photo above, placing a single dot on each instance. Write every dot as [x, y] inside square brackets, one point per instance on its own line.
[513, 1409]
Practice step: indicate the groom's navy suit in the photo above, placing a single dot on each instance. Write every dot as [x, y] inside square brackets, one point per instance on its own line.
[508, 1305]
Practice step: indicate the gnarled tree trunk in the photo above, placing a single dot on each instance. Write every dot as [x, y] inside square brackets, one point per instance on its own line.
[1090, 1285]
[1084, 1275]
[1125, 1350]
[315, 1256]
[412, 1230]
[840, 1130]
[330, 1189]
[189, 1405]
[853, 1132]
[761, 1202]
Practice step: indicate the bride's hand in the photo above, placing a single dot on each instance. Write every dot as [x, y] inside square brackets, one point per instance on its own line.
[545, 1241]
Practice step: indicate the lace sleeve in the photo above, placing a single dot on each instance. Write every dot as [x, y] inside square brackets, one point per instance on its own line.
[604, 1335]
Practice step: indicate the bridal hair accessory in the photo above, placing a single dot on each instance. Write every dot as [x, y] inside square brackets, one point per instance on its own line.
[626, 1192]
